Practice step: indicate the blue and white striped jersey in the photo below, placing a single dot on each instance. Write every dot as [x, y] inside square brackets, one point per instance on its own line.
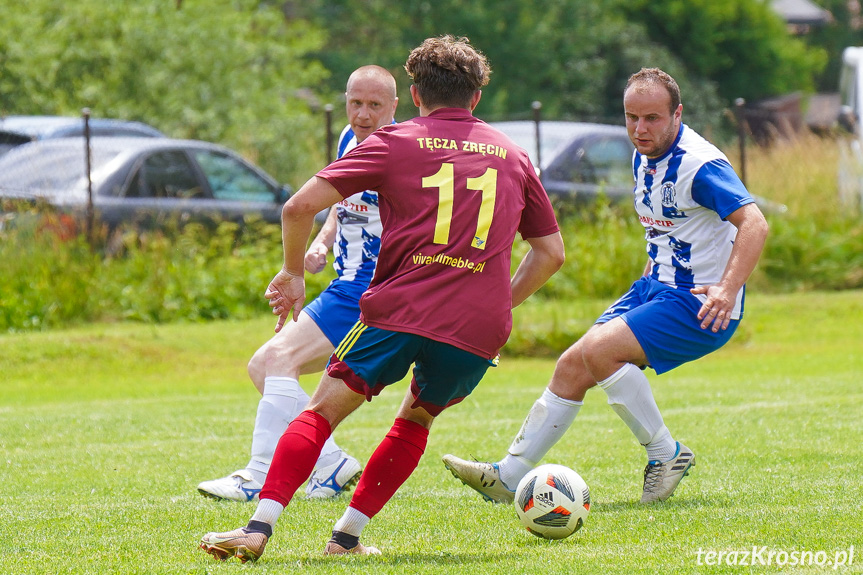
[682, 199]
[358, 236]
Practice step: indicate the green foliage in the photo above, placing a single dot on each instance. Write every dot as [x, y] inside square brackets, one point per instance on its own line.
[808, 254]
[232, 72]
[845, 29]
[575, 56]
[732, 43]
[191, 274]
[253, 74]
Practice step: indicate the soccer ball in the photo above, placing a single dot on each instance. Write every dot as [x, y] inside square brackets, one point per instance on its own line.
[552, 501]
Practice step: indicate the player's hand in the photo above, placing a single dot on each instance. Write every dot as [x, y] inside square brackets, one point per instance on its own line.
[717, 308]
[286, 294]
[316, 258]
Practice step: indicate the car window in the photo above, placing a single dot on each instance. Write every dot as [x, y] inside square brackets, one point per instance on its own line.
[165, 175]
[230, 179]
[597, 161]
[611, 159]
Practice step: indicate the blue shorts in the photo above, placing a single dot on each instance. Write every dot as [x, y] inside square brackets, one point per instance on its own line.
[665, 322]
[337, 308]
[369, 359]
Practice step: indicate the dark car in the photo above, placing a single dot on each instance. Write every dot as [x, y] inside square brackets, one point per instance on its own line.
[146, 181]
[17, 130]
[577, 160]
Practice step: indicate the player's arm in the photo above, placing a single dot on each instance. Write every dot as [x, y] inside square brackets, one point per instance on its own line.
[287, 290]
[316, 255]
[544, 258]
[751, 235]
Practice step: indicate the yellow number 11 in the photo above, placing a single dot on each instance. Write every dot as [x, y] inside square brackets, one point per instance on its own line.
[444, 181]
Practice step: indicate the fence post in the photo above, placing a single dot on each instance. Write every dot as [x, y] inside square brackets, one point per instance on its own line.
[741, 136]
[328, 114]
[537, 106]
[90, 223]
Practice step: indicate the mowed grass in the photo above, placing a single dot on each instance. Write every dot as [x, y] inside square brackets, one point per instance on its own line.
[105, 431]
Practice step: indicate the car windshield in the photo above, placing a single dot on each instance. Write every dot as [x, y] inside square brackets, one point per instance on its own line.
[524, 134]
[231, 180]
[57, 168]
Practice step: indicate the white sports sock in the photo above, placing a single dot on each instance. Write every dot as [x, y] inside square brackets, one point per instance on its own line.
[352, 522]
[268, 511]
[545, 424]
[330, 454]
[629, 395]
[283, 400]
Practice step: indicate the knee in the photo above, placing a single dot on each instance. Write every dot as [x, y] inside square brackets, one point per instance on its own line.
[257, 371]
[589, 351]
[571, 380]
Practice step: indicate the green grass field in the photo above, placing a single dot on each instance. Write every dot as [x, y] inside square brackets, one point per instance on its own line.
[106, 430]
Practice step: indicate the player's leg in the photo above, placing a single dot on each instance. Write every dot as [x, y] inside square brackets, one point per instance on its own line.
[293, 461]
[443, 375]
[275, 368]
[394, 460]
[614, 355]
[664, 333]
[306, 350]
[547, 421]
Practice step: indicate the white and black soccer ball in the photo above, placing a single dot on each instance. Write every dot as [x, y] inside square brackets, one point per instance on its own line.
[552, 501]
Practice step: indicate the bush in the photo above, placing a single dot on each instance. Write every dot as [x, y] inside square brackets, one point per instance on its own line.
[191, 274]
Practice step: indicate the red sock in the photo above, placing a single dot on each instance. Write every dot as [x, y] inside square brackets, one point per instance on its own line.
[295, 457]
[390, 465]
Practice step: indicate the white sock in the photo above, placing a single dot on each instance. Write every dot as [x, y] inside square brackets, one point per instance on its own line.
[283, 400]
[330, 454]
[545, 424]
[268, 511]
[629, 395]
[352, 522]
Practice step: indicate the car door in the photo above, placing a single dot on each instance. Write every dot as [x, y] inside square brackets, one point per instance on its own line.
[164, 186]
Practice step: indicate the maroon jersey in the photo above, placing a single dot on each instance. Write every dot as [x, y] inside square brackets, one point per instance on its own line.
[453, 192]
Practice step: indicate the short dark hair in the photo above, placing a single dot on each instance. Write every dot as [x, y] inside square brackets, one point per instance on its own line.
[656, 77]
[447, 71]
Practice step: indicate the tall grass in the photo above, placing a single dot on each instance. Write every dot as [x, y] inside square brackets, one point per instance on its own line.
[817, 243]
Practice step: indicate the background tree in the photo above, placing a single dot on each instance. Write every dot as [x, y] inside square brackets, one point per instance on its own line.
[252, 74]
[846, 29]
[743, 46]
[231, 72]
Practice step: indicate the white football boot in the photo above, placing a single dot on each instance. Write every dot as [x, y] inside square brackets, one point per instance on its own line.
[334, 479]
[238, 486]
[482, 477]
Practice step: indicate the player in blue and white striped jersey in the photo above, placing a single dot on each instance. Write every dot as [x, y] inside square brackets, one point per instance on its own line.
[704, 236]
[353, 230]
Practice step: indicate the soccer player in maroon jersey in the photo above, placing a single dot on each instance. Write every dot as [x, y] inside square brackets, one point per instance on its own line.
[453, 193]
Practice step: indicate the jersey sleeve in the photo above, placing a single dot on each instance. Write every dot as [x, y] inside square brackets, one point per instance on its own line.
[537, 218]
[716, 186]
[362, 168]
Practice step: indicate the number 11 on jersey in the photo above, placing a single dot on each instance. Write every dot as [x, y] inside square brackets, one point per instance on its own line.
[444, 181]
